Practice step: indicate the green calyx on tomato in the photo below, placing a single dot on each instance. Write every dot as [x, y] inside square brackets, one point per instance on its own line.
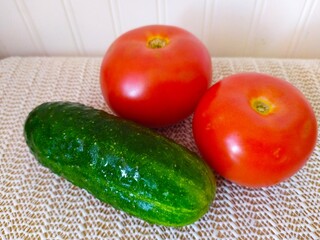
[262, 105]
[157, 42]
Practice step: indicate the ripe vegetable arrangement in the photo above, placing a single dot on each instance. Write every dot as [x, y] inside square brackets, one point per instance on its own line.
[253, 129]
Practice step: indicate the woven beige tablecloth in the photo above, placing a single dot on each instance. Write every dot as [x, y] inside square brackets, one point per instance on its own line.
[37, 204]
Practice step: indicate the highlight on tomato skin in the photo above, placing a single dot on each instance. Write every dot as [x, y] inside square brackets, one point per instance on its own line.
[155, 75]
[254, 129]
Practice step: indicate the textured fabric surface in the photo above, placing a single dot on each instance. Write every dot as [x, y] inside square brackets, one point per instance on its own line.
[37, 204]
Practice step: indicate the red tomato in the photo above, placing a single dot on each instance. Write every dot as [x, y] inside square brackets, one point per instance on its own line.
[155, 75]
[254, 129]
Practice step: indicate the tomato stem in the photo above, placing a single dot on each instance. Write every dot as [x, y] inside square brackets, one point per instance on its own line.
[157, 42]
[262, 106]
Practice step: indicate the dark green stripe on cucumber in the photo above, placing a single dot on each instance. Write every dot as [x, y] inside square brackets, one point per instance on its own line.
[128, 166]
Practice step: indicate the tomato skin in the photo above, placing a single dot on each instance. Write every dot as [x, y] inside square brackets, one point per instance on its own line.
[245, 146]
[155, 87]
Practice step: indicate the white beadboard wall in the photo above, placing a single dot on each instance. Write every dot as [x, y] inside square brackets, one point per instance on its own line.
[229, 28]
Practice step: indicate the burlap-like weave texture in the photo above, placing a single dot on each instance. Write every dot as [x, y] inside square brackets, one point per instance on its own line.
[37, 204]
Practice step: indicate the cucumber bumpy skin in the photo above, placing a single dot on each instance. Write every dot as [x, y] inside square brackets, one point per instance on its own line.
[128, 166]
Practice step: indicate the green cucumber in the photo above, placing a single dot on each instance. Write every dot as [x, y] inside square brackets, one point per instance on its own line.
[128, 166]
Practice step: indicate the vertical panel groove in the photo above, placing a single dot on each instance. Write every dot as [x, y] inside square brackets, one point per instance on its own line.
[258, 10]
[115, 14]
[67, 7]
[161, 11]
[32, 30]
[253, 20]
[301, 26]
[207, 21]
